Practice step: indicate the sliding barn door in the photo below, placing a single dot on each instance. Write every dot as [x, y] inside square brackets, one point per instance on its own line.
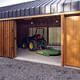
[8, 38]
[72, 45]
[1, 38]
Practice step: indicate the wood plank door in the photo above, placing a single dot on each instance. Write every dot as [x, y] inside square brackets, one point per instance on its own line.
[8, 39]
[1, 38]
[72, 39]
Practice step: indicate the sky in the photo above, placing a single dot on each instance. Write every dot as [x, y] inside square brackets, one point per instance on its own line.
[10, 2]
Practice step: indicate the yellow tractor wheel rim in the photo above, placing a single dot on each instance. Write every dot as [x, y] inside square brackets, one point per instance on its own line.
[23, 46]
[30, 45]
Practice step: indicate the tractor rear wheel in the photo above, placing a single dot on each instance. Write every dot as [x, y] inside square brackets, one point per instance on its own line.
[33, 45]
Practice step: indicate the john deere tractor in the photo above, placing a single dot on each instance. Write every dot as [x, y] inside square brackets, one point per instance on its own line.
[35, 42]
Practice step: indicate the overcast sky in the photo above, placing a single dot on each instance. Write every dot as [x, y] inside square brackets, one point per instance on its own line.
[10, 2]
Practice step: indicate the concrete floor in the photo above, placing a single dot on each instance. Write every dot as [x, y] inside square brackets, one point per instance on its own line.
[25, 54]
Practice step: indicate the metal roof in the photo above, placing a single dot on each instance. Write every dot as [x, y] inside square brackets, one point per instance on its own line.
[39, 7]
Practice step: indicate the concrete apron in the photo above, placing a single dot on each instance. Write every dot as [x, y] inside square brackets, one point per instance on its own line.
[25, 54]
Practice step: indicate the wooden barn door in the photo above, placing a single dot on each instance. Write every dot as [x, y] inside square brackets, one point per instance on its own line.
[72, 41]
[1, 38]
[8, 36]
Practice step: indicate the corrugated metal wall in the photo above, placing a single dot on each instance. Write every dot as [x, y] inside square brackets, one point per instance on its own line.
[39, 7]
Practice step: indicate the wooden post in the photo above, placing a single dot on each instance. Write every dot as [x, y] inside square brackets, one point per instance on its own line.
[62, 40]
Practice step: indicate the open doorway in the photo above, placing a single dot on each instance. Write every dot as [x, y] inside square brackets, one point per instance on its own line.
[49, 28]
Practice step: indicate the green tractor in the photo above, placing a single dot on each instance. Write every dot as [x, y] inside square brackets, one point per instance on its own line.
[35, 42]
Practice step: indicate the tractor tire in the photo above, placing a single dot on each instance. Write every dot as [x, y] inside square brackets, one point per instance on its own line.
[32, 45]
[44, 44]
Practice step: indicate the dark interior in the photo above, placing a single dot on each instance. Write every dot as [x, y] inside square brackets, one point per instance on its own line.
[23, 26]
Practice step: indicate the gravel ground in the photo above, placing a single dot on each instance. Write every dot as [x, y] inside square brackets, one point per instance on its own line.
[11, 69]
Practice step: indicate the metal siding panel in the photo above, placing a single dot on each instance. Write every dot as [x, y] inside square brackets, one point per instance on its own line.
[31, 11]
[18, 13]
[23, 5]
[79, 5]
[61, 6]
[74, 6]
[37, 7]
[10, 14]
[67, 6]
[14, 13]
[22, 12]
[37, 11]
[43, 7]
[16, 6]
[0, 15]
[40, 7]
[54, 7]
[42, 10]
[48, 7]
[26, 12]
[6, 14]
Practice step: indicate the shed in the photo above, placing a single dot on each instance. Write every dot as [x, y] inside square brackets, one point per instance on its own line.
[64, 13]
